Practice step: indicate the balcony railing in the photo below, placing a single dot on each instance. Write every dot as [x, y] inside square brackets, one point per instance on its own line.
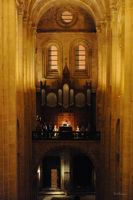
[65, 135]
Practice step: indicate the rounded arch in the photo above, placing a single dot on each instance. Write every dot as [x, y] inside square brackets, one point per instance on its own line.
[95, 9]
[85, 151]
[39, 152]
[86, 72]
[81, 41]
[45, 55]
[52, 42]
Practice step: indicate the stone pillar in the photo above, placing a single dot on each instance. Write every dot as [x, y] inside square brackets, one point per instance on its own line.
[127, 150]
[67, 171]
[20, 105]
[101, 33]
[62, 171]
[113, 104]
[27, 46]
[33, 87]
[107, 135]
[8, 119]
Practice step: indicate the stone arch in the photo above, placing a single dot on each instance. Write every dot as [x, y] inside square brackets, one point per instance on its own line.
[45, 45]
[42, 148]
[88, 66]
[96, 10]
[84, 149]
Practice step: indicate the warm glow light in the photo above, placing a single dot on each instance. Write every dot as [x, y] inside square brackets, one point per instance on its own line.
[38, 170]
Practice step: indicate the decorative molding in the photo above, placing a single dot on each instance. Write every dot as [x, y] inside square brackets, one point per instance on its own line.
[98, 28]
[108, 18]
[29, 24]
[25, 18]
[34, 28]
[21, 9]
[113, 9]
[103, 24]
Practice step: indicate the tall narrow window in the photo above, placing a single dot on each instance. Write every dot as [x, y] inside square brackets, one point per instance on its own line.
[80, 60]
[53, 58]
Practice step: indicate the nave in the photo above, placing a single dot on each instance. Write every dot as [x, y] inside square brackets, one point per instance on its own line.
[66, 60]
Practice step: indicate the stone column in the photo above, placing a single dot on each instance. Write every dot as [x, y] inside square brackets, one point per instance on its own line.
[107, 137]
[101, 33]
[20, 105]
[33, 87]
[8, 119]
[27, 108]
[62, 171]
[67, 171]
[113, 103]
[127, 146]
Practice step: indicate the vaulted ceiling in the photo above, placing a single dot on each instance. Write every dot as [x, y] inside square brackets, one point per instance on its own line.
[97, 9]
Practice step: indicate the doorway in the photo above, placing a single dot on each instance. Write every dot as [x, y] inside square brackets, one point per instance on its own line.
[51, 172]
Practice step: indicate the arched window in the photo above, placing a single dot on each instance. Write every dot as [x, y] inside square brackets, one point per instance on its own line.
[53, 58]
[80, 58]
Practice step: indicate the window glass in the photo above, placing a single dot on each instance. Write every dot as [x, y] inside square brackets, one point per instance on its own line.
[66, 17]
[53, 58]
[80, 60]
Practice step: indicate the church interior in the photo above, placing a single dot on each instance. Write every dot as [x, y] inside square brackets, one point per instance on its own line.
[66, 85]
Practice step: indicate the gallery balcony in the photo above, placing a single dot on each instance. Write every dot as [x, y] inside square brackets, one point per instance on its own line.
[65, 135]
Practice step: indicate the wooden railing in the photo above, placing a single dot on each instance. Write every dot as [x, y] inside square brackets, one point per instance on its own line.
[65, 135]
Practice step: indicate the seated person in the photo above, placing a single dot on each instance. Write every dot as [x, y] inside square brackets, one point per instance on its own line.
[65, 123]
[55, 128]
[38, 118]
[77, 131]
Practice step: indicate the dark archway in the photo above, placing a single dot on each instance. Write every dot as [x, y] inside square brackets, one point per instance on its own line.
[67, 169]
[83, 172]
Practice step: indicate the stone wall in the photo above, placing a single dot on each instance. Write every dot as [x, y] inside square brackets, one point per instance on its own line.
[70, 37]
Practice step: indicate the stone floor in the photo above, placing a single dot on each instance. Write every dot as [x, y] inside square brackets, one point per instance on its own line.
[58, 194]
[65, 197]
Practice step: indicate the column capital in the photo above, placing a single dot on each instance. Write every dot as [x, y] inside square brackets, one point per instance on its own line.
[123, 3]
[29, 23]
[113, 9]
[103, 24]
[34, 28]
[20, 9]
[25, 18]
[98, 28]
[108, 18]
